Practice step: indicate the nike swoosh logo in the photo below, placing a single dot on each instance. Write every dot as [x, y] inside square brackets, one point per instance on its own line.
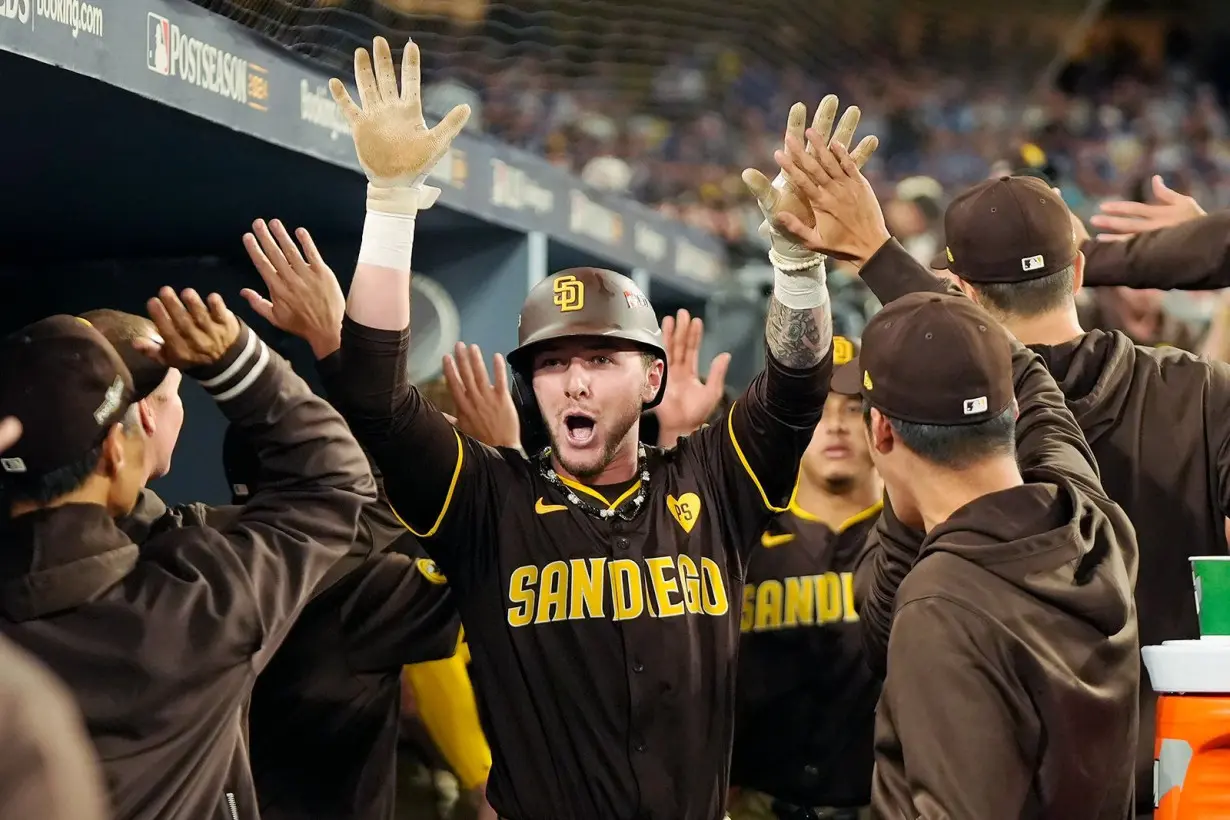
[770, 541]
[542, 508]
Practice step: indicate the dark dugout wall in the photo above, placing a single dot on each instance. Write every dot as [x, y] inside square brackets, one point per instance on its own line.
[105, 197]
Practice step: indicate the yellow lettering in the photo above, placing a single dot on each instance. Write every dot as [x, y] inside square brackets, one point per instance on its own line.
[691, 584]
[553, 593]
[799, 600]
[663, 586]
[847, 590]
[521, 593]
[586, 588]
[715, 601]
[768, 605]
[627, 594]
[828, 598]
[749, 608]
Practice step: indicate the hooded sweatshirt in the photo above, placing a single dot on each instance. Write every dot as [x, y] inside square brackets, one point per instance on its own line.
[1158, 423]
[1013, 657]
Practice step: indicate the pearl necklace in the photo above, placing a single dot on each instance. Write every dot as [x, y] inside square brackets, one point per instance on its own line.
[626, 511]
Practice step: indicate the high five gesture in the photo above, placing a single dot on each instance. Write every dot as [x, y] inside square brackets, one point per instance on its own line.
[394, 145]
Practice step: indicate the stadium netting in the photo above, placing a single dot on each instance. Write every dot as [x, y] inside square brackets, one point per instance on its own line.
[665, 51]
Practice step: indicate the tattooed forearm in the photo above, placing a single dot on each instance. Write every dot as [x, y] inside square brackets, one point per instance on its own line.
[798, 338]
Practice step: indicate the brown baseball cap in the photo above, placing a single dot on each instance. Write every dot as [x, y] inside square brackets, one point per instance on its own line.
[67, 386]
[122, 330]
[1006, 230]
[847, 373]
[935, 358]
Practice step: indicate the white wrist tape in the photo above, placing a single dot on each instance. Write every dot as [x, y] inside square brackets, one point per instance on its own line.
[388, 240]
[802, 290]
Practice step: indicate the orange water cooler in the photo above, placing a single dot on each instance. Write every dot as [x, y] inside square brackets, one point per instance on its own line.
[1191, 752]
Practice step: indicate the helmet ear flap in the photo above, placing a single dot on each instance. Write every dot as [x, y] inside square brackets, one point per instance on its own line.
[534, 438]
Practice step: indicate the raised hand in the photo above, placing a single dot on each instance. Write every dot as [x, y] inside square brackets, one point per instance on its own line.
[194, 332]
[394, 145]
[10, 431]
[781, 198]
[485, 411]
[1122, 220]
[688, 402]
[848, 224]
[305, 298]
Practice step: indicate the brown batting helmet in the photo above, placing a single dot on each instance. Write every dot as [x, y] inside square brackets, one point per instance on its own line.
[586, 302]
[581, 302]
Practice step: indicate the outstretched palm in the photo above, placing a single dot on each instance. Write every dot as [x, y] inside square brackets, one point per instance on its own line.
[689, 401]
[393, 142]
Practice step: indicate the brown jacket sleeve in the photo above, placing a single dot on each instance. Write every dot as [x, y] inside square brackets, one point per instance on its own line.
[48, 769]
[439, 481]
[316, 482]
[891, 273]
[1194, 255]
[949, 674]
[1049, 442]
[755, 453]
[879, 575]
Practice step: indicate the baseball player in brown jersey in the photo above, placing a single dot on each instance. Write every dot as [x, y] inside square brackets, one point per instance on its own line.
[598, 580]
[805, 706]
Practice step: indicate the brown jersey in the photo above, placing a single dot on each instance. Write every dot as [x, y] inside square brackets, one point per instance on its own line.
[805, 709]
[603, 649]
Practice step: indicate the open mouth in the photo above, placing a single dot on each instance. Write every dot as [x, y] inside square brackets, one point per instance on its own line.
[580, 429]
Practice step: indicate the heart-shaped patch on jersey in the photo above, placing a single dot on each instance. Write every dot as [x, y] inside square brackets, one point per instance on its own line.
[685, 509]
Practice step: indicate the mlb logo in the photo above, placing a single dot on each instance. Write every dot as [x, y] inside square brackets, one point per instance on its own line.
[636, 299]
[158, 44]
[972, 406]
[1032, 263]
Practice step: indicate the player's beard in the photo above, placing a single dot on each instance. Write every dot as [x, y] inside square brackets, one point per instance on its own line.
[621, 425]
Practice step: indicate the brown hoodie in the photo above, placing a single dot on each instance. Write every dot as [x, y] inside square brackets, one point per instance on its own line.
[1013, 668]
[1156, 420]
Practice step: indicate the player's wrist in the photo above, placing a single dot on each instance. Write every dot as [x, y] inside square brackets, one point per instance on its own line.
[388, 240]
[402, 199]
[801, 290]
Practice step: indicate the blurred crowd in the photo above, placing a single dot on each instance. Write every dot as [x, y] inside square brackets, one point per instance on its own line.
[615, 94]
[712, 113]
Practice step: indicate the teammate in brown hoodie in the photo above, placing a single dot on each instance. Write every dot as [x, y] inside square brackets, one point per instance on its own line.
[1012, 660]
[1012, 657]
[1154, 418]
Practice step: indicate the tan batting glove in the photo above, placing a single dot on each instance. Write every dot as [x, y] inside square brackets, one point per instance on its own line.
[391, 138]
[787, 252]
